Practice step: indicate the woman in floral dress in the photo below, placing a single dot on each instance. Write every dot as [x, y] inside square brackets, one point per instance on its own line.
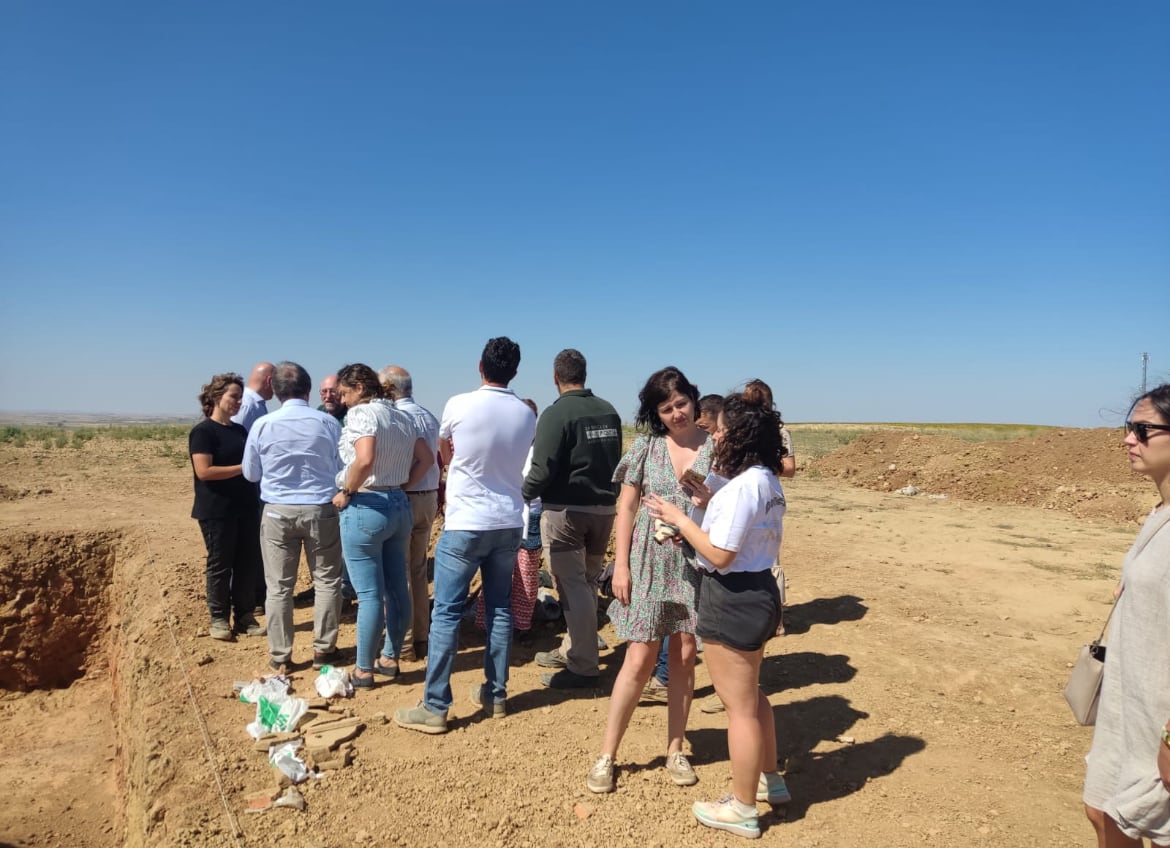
[654, 586]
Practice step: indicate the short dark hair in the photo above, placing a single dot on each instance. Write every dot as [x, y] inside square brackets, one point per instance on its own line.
[711, 405]
[362, 377]
[751, 435]
[215, 388]
[657, 389]
[290, 380]
[500, 360]
[569, 367]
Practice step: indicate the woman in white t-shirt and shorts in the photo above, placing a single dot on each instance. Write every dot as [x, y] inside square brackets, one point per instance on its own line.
[736, 542]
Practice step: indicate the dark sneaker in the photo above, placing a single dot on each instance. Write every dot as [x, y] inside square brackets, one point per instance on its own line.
[565, 679]
[600, 779]
[498, 709]
[220, 629]
[723, 815]
[249, 626]
[305, 598]
[552, 659]
[421, 719]
[324, 658]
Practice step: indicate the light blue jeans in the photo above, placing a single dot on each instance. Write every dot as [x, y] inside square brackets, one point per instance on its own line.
[375, 533]
[457, 556]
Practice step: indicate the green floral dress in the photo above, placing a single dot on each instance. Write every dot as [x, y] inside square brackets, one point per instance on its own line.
[663, 586]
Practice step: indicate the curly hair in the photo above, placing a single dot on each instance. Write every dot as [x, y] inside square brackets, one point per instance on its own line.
[760, 392]
[658, 389]
[215, 388]
[750, 435]
[500, 360]
[361, 377]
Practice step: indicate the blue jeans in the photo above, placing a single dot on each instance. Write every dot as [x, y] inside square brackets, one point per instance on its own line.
[662, 669]
[375, 532]
[457, 556]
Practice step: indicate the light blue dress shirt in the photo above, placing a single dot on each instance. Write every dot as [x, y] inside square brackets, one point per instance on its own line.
[252, 406]
[293, 454]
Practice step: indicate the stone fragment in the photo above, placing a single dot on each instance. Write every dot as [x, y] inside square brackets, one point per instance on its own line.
[292, 798]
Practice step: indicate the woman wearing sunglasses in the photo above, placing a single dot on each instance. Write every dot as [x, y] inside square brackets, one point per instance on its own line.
[1126, 784]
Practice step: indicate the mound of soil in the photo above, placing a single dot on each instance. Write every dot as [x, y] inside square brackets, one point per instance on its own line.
[1083, 472]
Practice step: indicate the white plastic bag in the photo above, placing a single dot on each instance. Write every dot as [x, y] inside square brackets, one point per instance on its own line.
[277, 716]
[285, 758]
[274, 688]
[333, 681]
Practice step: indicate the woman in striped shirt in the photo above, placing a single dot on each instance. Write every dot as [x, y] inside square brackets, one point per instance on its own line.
[383, 453]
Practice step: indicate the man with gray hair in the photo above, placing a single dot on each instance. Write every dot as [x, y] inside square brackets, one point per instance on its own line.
[293, 454]
[424, 504]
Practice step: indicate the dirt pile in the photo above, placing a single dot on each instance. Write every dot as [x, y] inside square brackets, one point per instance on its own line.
[1083, 472]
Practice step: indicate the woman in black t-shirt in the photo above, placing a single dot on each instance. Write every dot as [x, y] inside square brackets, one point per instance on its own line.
[227, 508]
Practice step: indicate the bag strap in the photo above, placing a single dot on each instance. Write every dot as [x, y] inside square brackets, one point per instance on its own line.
[1133, 553]
[1112, 609]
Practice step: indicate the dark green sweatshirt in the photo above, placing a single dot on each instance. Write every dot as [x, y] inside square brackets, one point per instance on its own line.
[578, 445]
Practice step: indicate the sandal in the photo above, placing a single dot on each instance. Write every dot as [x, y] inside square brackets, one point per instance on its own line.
[390, 671]
[361, 682]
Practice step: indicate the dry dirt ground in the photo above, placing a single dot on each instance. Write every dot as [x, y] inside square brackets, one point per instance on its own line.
[917, 695]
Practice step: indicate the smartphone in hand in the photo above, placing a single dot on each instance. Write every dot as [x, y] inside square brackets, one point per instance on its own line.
[691, 478]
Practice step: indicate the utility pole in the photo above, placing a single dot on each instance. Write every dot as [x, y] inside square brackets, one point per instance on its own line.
[1145, 364]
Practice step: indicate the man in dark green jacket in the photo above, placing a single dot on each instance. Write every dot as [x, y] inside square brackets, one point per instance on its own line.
[578, 446]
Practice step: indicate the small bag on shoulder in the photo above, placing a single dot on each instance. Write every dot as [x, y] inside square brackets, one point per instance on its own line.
[1084, 684]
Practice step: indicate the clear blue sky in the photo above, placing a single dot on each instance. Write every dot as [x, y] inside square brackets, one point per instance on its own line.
[889, 211]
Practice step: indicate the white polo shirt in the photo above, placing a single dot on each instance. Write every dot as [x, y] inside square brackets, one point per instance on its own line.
[747, 516]
[491, 431]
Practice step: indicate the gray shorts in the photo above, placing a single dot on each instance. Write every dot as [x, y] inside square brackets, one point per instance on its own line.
[740, 609]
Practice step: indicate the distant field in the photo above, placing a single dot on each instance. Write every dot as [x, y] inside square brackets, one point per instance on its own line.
[73, 436]
[814, 440]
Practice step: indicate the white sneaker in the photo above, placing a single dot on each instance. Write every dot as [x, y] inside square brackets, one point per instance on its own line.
[722, 815]
[680, 770]
[772, 789]
[601, 775]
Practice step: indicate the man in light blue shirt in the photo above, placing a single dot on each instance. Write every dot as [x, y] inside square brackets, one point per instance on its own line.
[293, 454]
[424, 505]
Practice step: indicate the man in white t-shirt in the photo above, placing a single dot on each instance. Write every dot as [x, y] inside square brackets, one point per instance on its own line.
[484, 437]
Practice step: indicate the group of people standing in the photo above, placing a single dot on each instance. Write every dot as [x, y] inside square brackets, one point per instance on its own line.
[345, 491]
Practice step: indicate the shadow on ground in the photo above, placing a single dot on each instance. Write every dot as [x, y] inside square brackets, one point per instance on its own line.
[815, 777]
[799, 618]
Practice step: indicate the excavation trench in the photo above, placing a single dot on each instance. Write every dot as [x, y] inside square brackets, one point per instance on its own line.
[58, 703]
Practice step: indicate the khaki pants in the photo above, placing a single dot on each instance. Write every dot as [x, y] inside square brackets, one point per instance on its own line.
[423, 507]
[284, 530]
[574, 548]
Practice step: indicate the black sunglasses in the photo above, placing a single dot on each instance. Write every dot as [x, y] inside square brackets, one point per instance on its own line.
[1142, 430]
